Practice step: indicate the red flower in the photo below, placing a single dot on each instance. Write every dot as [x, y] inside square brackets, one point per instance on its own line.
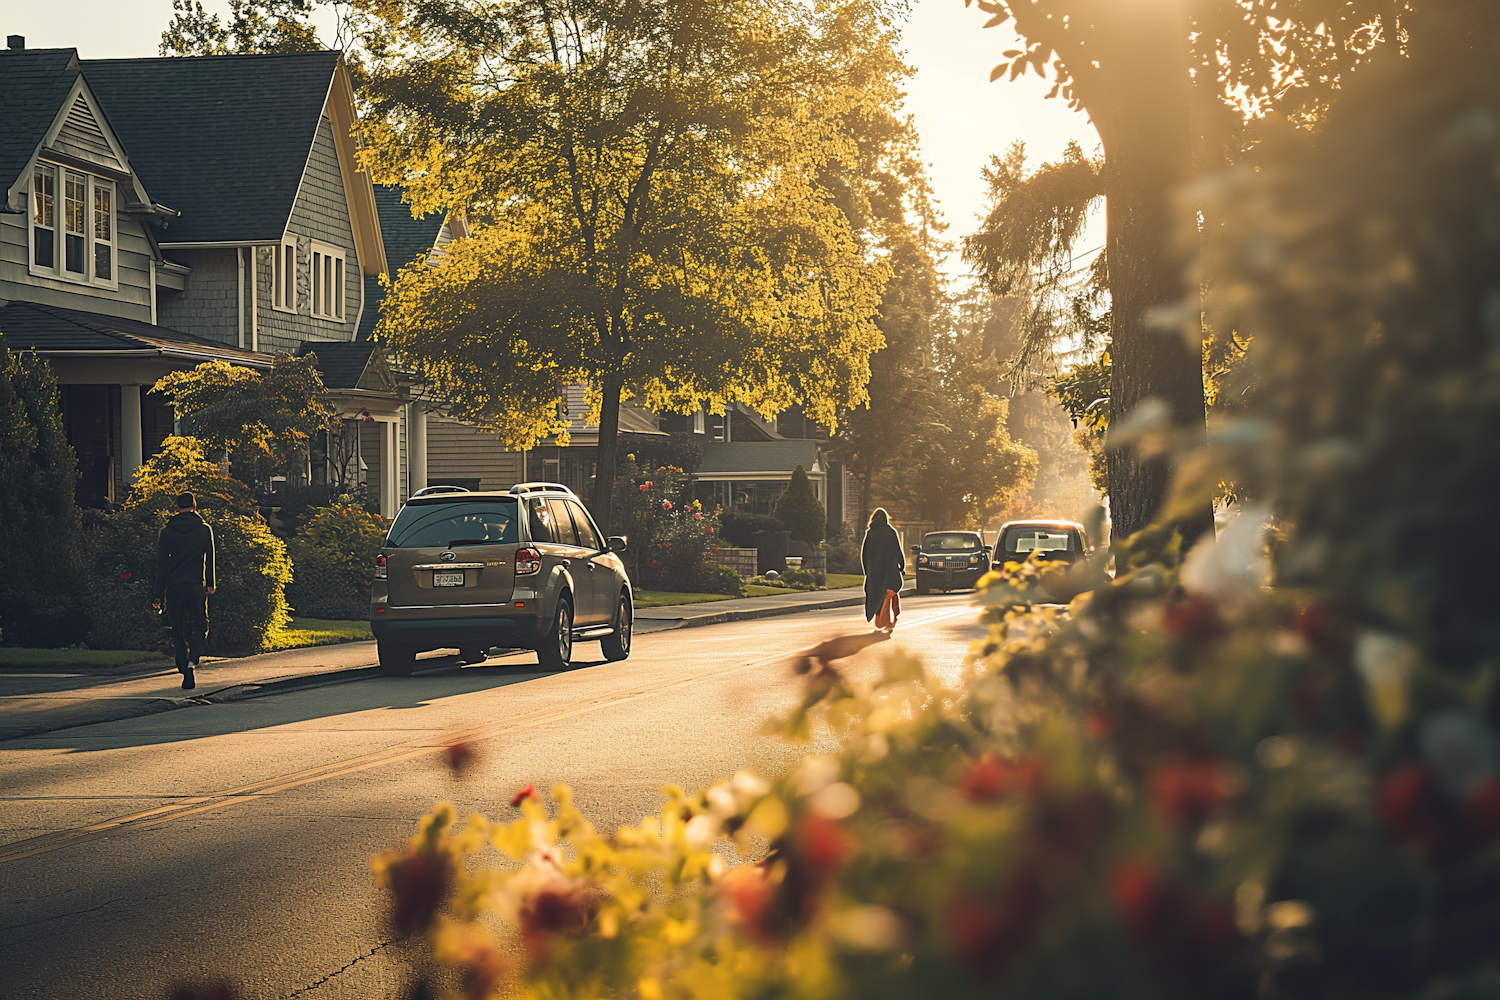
[1410, 806]
[126, 575]
[989, 778]
[529, 792]
[552, 912]
[822, 841]
[421, 882]
[645, 487]
[1187, 790]
[988, 934]
[1187, 934]
[460, 756]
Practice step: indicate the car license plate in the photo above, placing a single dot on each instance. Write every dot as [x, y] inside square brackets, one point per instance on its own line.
[453, 579]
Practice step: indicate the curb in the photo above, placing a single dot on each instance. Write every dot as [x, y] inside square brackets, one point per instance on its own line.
[749, 614]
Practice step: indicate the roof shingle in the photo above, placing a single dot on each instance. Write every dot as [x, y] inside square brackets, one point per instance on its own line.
[52, 329]
[36, 82]
[222, 139]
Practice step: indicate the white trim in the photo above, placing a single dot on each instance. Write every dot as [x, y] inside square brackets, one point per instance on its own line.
[284, 279]
[331, 268]
[254, 299]
[152, 261]
[239, 299]
[81, 89]
[92, 185]
[218, 244]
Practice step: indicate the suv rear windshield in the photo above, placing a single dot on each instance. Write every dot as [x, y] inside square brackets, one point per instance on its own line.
[444, 525]
[950, 541]
[1023, 541]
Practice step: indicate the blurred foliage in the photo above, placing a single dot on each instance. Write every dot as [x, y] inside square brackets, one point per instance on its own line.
[1185, 783]
[251, 564]
[39, 517]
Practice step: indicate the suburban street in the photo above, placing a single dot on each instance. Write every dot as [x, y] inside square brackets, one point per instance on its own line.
[255, 820]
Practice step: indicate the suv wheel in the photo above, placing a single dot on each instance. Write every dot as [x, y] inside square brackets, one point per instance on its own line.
[557, 650]
[923, 589]
[396, 661]
[616, 645]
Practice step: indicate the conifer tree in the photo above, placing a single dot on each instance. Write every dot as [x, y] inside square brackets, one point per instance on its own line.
[798, 508]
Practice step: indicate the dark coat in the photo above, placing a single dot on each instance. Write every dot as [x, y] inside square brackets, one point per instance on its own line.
[884, 563]
[184, 552]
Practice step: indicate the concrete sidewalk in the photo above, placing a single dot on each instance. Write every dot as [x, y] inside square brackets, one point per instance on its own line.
[32, 703]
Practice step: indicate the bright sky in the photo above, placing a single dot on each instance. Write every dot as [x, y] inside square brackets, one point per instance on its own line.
[962, 117]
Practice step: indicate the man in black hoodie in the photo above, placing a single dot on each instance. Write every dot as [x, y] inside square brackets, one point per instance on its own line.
[184, 581]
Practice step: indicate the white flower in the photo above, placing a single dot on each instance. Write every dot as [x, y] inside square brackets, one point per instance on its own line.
[835, 801]
[1384, 661]
[701, 831]
[1233, 566]
[868, 928]
[814, 772]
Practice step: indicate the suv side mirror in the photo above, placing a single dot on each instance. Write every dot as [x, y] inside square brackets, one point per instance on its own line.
[916, 548]
[618, 543]
[989, 550]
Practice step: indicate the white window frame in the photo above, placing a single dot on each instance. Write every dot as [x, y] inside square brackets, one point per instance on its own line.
[284, 276]
[699, 422]
[326, 264]
[92, 185]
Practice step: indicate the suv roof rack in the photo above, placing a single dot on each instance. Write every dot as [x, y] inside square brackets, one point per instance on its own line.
[522, 488]
[428, 491]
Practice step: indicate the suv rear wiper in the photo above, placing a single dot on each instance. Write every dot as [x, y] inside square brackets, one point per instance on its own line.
[468, 541]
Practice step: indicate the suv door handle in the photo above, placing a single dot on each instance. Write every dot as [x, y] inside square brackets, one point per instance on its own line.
[565, 562]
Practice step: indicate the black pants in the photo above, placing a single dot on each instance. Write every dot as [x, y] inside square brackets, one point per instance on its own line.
[186, 606]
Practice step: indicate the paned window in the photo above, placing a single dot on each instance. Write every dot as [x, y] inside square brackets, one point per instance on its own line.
[284, 277]
[85, 219]
[43, 224]
[327, 282]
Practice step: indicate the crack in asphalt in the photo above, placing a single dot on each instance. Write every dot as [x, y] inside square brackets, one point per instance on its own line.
[349, 965]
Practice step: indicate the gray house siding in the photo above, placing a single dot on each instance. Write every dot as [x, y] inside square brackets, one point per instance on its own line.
[458, 451]
[132, 299]
[320, 213]
[208, 308]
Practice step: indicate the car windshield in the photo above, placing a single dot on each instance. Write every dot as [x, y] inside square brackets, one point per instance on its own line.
[1024, 541]
[950, 541]
[443, 525]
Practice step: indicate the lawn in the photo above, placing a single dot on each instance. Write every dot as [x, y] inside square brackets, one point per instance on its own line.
[837, 580]
[18, 658]
[318, 632]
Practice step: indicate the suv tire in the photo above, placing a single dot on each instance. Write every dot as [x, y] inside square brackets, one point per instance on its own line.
[616, 645]
[557, 649]
[923, 590]
[396, 661]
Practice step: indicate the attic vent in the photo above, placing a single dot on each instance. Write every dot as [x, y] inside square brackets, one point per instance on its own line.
[82, 119]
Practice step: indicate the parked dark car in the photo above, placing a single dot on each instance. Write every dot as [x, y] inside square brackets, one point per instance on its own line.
[1051, 541]
[526, 569]
[950, 560]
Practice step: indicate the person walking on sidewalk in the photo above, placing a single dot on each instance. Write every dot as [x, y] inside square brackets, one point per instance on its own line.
[884, 564]
[185, 581]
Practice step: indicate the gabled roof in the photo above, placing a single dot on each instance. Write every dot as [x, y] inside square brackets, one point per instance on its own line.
[55, 330]
[406, 238]
[345, 365]
[36, 82]
[224, 139]
[747, 457]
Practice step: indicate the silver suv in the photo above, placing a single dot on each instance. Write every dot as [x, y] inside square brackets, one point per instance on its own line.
[526, 569]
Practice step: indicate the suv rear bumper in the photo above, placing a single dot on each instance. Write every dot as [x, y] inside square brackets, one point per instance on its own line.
[456, 633]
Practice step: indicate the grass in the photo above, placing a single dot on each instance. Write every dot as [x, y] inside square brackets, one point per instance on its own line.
[665, 598]
[18, 658]
[837, 580]
[318, 632]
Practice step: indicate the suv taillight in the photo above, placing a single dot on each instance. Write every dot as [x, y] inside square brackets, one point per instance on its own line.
[380, 567]
[528, 560]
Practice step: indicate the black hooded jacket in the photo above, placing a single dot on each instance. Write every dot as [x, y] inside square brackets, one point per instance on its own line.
[884, 563]
[184, 552]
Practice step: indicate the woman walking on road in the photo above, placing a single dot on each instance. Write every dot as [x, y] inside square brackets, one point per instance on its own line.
[884, 563]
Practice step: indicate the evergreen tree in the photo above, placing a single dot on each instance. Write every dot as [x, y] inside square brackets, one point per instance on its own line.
[39, 521]
[798, 508]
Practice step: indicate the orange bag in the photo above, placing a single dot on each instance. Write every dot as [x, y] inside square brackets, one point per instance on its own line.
[889, 611]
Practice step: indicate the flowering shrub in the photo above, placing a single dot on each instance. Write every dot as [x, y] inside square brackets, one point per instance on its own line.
[670, 536]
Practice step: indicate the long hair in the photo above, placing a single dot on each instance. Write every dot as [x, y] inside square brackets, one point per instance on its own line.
[877, 516]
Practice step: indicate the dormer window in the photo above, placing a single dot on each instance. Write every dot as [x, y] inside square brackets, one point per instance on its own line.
[85, 222]
[327, 282]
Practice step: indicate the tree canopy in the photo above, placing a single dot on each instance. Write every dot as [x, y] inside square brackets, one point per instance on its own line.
[667, 200]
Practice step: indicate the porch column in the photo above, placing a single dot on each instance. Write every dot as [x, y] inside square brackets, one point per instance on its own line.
[390, 469]
[416, 446]
[130, 432]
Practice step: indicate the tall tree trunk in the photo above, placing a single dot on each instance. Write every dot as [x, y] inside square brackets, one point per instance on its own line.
[1143, 121]
[603, 503]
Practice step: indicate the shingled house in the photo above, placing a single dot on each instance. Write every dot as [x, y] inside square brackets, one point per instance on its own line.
[159, 213]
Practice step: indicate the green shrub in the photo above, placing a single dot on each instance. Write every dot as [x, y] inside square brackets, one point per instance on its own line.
[798, 508]
[349, 535]
[843, 556]
[739, 528]
[325, 586]
[715, 578]
[40, 597]
[251, 564]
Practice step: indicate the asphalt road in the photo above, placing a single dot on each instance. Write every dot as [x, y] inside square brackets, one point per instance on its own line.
[253, 859]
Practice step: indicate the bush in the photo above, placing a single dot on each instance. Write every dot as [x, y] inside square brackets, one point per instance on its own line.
[325, 586]
[739, 528]
[669, 540]
[715, 578]
[844, 556]
[40, 599]
[798, 508]
[251, 564]
[350, 535]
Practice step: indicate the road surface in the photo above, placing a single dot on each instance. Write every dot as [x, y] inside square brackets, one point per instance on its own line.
[234, 839]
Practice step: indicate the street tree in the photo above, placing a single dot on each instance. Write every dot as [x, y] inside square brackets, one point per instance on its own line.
[264, 421]
[664, 201]
[1157, 80]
